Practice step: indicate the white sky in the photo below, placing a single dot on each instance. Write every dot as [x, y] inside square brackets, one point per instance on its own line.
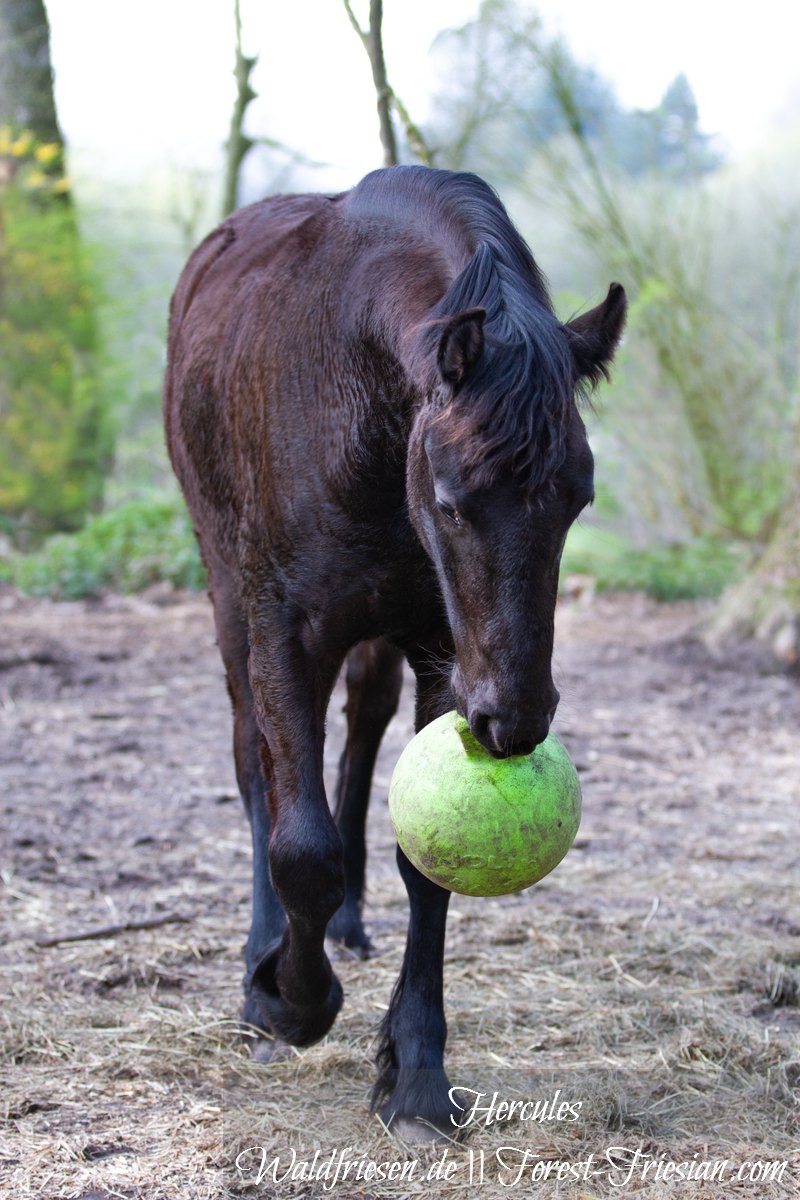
[147, 82]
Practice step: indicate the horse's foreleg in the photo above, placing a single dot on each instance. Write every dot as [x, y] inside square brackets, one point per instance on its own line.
[293, 991]
[374, 678]
[412, 1087]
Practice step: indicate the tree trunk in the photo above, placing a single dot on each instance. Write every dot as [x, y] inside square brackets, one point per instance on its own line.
[55, 431]
[26, 76]
[764, 607]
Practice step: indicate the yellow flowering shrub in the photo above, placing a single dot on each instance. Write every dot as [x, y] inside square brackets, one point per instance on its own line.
[37, 166]
[55, 438]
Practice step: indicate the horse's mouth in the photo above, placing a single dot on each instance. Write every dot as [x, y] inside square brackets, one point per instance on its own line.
[510, 749]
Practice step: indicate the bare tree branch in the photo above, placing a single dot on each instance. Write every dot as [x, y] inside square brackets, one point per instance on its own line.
[372, 41]
[238, 144]
[413, 133]
[373, 44]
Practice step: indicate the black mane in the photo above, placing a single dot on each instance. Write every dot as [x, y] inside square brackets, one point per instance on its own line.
[510, 413]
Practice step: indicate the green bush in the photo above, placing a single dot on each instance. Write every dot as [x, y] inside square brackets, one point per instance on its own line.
[124, 550]
[145, 542]
[55, 427]
[693, 570]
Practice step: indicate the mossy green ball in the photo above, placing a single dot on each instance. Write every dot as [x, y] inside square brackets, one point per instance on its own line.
[479, 825]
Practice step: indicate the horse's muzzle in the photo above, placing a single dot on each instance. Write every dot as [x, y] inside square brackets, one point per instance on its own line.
[506, 734]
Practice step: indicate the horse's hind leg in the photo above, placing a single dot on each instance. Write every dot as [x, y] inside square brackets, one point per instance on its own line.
[268, 919]
[374, 679]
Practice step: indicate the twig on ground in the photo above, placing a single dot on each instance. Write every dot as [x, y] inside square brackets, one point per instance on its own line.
[112, 930]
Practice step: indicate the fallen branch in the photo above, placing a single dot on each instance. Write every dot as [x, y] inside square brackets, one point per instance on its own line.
[112, 930]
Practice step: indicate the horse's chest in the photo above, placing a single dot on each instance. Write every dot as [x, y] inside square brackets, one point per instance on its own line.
[405, 601]
[385, 588]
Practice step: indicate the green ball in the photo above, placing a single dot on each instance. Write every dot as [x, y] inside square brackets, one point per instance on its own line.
[479, 825]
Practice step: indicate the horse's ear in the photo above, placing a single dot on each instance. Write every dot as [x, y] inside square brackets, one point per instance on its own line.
[461, 344]
[594, 335]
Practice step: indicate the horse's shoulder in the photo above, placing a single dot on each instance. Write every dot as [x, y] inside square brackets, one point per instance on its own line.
[248, 240]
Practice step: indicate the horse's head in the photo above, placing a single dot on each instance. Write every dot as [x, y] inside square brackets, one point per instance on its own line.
[492, 493]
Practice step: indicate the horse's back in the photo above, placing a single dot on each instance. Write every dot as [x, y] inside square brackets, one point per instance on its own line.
[250, 245]
[289, 383]
[237, 305]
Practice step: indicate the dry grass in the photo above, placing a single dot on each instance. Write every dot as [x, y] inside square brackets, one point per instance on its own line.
[121, 1078]
[654, 976]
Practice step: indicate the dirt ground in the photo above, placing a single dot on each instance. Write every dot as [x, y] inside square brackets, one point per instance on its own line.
[653, 979]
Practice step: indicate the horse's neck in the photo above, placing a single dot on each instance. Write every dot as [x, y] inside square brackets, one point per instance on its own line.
[398, 286]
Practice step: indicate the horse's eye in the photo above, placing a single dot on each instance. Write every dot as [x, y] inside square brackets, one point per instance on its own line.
[449, 512]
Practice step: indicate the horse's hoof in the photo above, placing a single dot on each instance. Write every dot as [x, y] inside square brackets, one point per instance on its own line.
[269, 1050]
[346, 928]
[420, 1108]
[408, 1129]
[295, 1024]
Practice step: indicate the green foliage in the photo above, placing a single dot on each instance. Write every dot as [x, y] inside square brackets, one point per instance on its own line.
[124, 550]
[55, 428]
[701, 409]
[698, 569]
[141, 238]
[147, 542]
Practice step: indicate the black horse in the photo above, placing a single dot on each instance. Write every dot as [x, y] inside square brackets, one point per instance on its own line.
[371, 408]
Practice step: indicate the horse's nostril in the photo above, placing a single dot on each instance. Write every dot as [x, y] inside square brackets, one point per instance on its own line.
[479, 725]
[501, 737]
[509, 734]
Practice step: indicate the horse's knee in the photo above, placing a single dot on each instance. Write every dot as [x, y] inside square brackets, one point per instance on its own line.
[306, 865]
